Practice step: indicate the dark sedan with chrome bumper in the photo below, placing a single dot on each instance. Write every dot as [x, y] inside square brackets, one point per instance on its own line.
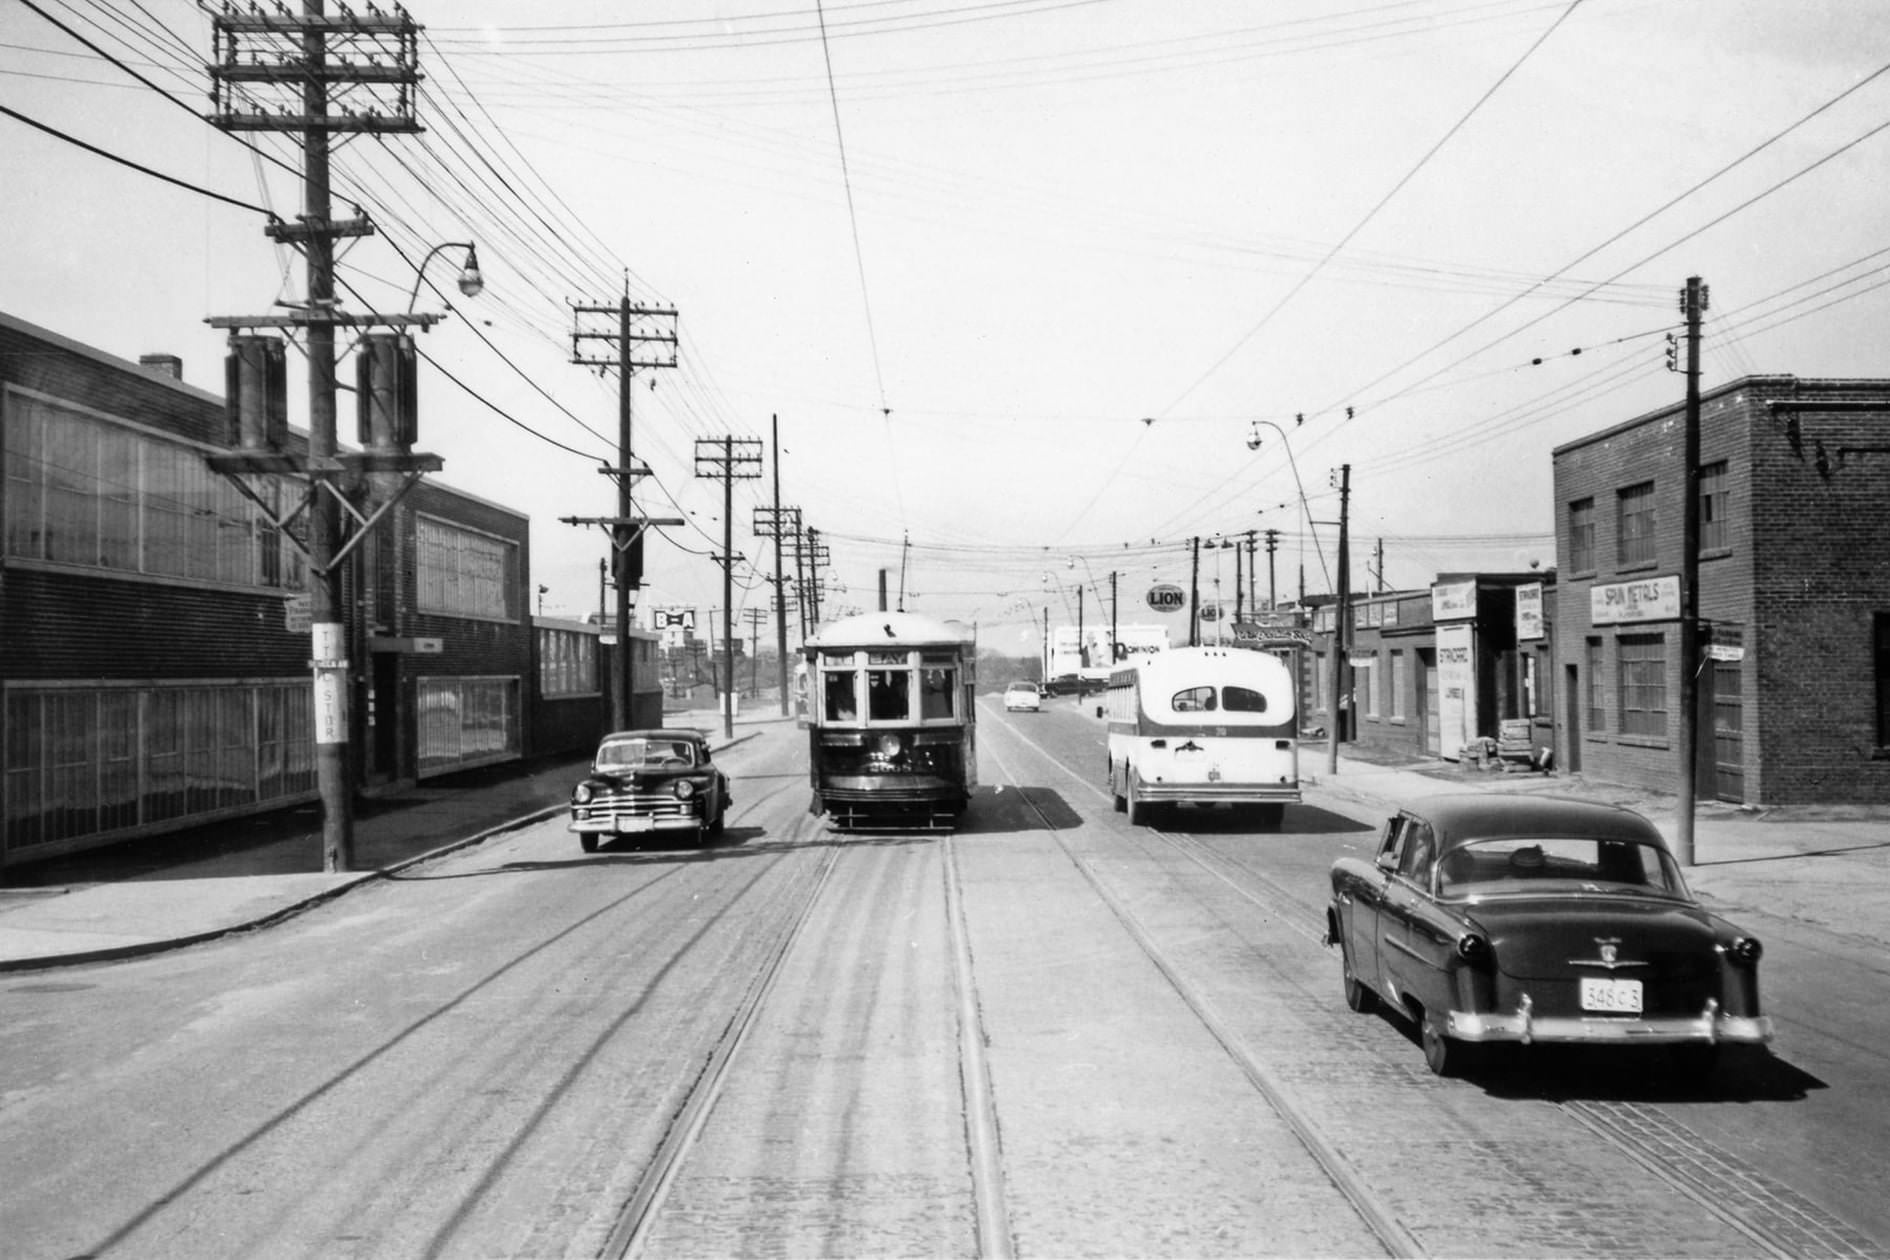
[1497, 917]
[649, 781]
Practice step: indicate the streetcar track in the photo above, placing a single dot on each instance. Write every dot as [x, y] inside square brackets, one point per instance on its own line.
[629, 1233]
[984, 1148]
[1373, 1212]
[354, 1069]
[1775, 1219]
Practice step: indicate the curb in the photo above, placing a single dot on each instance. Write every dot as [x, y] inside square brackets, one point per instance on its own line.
[118, 953]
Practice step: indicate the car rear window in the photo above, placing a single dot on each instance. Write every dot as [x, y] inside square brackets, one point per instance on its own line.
[1538, 864]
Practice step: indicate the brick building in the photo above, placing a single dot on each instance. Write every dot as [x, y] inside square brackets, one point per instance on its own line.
[156, 663]
[1794, 594]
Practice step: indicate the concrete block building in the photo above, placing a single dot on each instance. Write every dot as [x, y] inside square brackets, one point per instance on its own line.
[1793, 597]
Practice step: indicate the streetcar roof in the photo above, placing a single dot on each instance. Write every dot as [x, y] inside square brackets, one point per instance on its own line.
[883, 629]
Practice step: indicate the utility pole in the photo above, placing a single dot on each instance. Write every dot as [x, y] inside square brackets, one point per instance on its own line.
[1273, 545]
[644, 337]
[272, 72]
[780, 589]
[1113, 641]
[730, 459]
[754, 617]
[1194, 594]
[1342, 619]
[817, 555]
[1693, 301]
[779, 522]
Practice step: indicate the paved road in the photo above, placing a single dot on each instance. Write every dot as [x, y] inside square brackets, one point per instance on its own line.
[1050, 1034]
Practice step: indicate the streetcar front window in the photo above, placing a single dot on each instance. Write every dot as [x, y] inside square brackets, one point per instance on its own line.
[838, 703]
[889, 695]
[937, 689]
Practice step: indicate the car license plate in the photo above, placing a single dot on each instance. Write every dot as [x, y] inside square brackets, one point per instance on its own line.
[1614, 997]
[642, 822]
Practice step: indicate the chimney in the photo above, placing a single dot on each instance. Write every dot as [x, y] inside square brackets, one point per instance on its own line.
[169, 364]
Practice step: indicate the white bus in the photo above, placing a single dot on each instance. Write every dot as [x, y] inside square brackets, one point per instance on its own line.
[1204, 726]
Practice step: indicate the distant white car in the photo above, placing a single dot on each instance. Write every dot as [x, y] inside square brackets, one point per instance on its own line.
[1022, 696]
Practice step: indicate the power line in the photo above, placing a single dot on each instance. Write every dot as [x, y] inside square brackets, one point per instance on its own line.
[136, 166]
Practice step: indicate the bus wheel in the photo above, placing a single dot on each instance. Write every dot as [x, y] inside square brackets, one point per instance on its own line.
[1136, 806]
[1115, 797]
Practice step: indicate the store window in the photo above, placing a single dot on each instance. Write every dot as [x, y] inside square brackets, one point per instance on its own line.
[1643, 687]
[1597, 692]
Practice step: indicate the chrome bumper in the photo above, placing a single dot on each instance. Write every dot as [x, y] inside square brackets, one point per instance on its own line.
[1216, 794]
[1523, 1025]
[633, 824]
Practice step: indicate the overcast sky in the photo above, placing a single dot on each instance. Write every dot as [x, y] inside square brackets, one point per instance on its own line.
[1023, 280]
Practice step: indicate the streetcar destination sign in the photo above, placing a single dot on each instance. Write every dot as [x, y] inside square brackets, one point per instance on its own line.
[1166, 597]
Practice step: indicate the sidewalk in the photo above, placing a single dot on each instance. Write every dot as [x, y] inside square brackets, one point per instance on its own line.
[1826, 868]
[164, 892]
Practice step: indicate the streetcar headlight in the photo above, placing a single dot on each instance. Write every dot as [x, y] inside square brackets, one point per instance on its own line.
[683, 789]
[886, 745]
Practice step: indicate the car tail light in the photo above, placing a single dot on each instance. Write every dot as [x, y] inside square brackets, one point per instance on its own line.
[1746, 951]
[1474, 949]
[683, 789]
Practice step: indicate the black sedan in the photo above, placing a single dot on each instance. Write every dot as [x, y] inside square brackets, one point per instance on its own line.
[1510, 918]
[649, 781]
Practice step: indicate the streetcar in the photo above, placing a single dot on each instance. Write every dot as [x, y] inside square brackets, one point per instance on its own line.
[891, 727]
[1204, 726]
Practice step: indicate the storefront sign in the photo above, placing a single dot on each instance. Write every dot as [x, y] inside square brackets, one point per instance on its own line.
[1456, 688]
[1529, 611]
[1453, 601]
[1650, 599]
[1725, 652]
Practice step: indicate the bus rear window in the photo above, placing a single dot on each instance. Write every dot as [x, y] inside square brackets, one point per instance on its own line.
[1193, 700]
[1243, 700]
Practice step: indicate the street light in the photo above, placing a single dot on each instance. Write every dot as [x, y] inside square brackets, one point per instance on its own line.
[1253, 444]
[471, 283]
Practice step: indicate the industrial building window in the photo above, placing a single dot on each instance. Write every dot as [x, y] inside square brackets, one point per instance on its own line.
[1634, 532]
[1715, 534]
[82, 491]
[1581, 536]
[111, 761]
[465, 574]
[567, 663]
[467, 722]
[1643, 690]
[1366, 686]
[1597, 692]
[1883, 680]
[1397, 684]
